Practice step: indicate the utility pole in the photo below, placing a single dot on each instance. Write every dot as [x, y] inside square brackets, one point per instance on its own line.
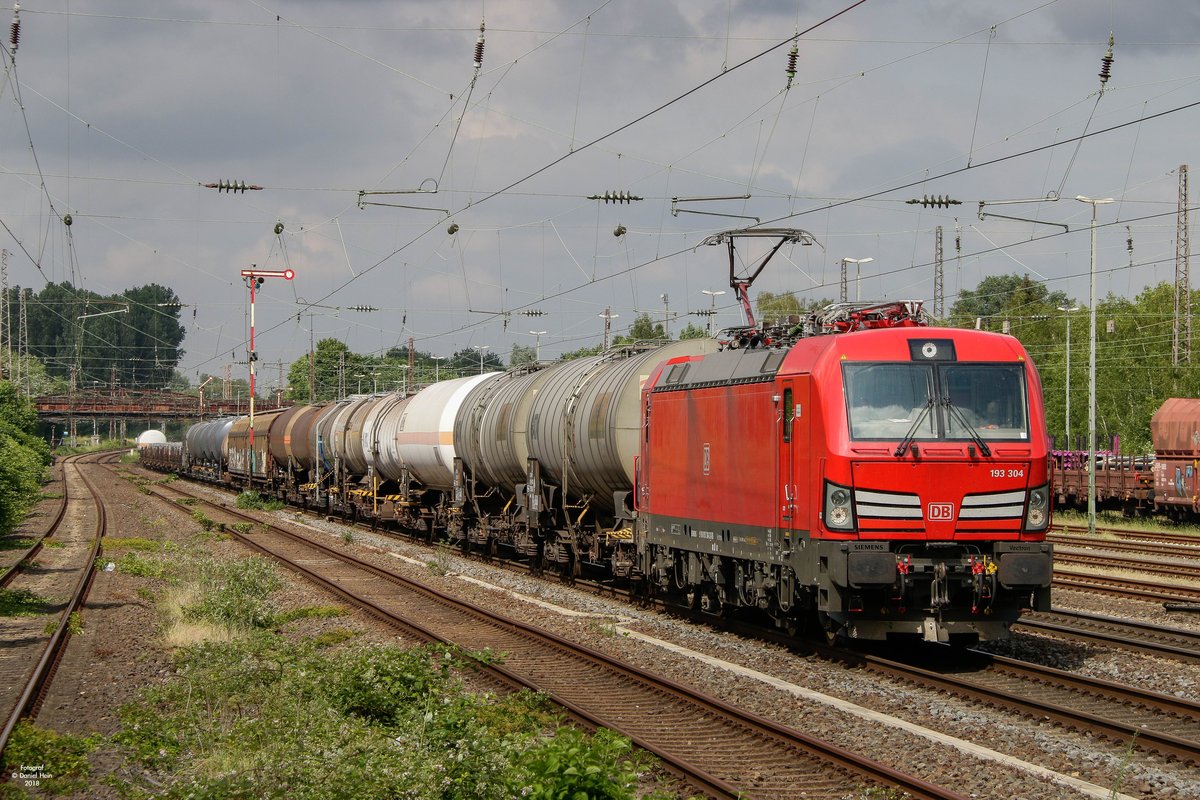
[6, 356]
[608, 317]
[939, 288]
[1181, 330]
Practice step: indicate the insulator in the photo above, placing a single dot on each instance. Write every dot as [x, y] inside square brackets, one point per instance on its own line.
[936, 201]
[479, 48]
[619, 230]
[534, 312]
[14, 36]
[67, 220]
[452, 229]
[278, 228]
[1106, 63]
[791, 67]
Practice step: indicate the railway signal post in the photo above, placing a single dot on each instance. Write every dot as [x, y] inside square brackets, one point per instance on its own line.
[254, 278]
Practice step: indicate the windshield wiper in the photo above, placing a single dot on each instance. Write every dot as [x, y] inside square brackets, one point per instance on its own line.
[953, 409]
[912, 431]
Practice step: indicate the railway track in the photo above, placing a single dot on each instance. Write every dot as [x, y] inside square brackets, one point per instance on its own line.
[1126, 534]
[720, 749]
[1144, 546]
[1133, 588]
[1167, 725]
[1155, 640]
[1158, 567]
[56, 586]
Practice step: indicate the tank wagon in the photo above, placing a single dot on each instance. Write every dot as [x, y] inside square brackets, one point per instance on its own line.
[860, 471]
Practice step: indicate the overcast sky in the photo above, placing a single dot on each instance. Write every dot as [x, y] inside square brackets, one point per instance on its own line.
[126, 108]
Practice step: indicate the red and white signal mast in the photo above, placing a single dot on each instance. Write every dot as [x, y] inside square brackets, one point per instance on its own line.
[254, 278]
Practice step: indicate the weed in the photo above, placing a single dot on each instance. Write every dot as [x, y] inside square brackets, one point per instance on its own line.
[604, 626]
[243, 528]
[439, 565]
[62, 759]
[21, 603]
[138, 565]
[206, 522]
[330, 638]
[74, 625]
[134, 543]
[348, 536]
[234, 593]
[1126, 763]
[309, 612]
[19, 543]
[53, 544]
[186, 501]
[257, 501]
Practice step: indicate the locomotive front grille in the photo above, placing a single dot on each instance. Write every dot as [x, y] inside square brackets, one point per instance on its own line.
[886, 505]
[996, 505]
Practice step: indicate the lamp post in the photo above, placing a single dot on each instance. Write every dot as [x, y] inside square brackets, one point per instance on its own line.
[437, 363]
[858, 262]
[712, 306]
[1092, 367]
[481, 348]
[537, 348]
[1067, 419]
[254, 278]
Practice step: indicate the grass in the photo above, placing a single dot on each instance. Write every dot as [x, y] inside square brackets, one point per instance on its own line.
[256, 501]
[63, 761]
[309, 612]
[134, 543]
[22, 603]
[18, 543]
[1115, 519]
[247, 718]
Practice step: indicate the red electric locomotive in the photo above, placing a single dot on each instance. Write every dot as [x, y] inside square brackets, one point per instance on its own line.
[885, 479]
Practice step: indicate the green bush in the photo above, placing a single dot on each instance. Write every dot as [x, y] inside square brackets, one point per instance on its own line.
[257, 501]
[63, 758]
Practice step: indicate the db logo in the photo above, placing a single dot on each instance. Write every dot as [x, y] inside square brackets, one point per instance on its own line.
[941, 512]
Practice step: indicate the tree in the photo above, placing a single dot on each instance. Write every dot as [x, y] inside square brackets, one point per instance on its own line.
[693, 331]
[1000, 295]
[522, 354]
[643, 330]
[23, 456]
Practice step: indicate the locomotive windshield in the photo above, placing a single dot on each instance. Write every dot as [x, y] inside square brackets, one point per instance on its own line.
[937, 401]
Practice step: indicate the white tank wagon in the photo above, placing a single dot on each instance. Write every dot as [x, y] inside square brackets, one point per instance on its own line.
[418, 436]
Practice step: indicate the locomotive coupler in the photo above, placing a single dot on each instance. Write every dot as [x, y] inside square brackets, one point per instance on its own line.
[939, 588]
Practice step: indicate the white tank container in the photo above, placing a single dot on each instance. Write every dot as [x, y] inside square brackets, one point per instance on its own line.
[423, 430]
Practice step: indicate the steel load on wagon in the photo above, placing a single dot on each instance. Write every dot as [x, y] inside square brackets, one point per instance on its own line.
[586, 419]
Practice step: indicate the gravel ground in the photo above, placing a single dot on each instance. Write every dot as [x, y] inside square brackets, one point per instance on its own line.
[900, 725]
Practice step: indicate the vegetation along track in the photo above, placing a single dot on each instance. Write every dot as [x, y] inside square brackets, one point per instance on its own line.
[720, 749]
[1167, 725]
[1133, 588]
[1155, 566]
[1127, 634]
[46, 593]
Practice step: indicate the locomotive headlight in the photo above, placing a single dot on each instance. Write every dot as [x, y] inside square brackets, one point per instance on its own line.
[839, 507]
[1037, 508]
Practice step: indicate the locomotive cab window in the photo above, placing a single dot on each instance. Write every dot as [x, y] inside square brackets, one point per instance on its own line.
[932, 401]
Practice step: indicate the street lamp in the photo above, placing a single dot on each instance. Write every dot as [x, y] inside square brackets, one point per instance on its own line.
[1092, 368]
[481, 348]
[437, 363]
[858, 262]
[537, 348]
[1067, 426]
[712, 306]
